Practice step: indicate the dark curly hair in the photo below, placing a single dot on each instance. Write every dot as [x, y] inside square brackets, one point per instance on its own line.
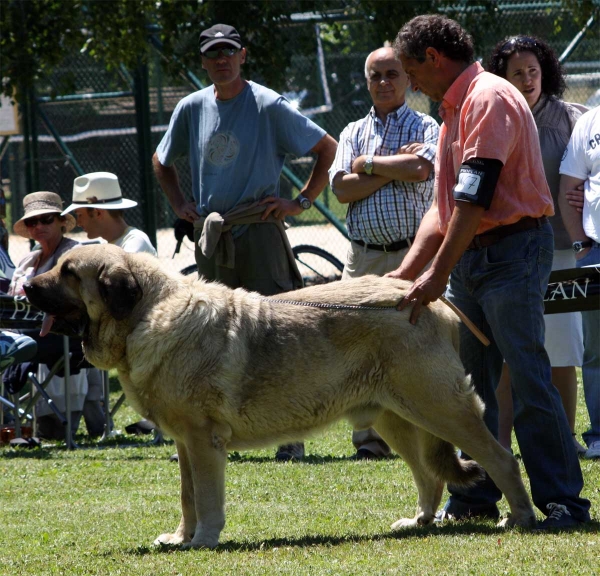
[435, 31]
[553, 81]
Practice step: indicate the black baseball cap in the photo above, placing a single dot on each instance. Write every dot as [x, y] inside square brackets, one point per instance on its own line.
[219, 34]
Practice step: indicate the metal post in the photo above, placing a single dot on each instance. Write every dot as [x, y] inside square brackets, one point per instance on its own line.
[67, 369]
[106, 394]
[143, 121]
[575, 42]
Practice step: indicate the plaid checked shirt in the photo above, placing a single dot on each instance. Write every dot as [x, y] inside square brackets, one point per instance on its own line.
[395, 211]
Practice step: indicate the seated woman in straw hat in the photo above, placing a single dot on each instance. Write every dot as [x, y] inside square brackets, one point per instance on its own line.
[42, 222]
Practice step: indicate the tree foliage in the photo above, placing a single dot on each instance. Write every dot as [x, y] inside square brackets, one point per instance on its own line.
[37, 35]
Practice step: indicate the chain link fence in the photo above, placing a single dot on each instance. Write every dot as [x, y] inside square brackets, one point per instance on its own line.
[95, 128]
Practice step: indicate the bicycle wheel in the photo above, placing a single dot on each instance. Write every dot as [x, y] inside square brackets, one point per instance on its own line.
[316, 265]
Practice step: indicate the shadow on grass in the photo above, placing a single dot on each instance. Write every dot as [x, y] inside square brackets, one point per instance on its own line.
[461, 529]
[48, 451]
[236, 457]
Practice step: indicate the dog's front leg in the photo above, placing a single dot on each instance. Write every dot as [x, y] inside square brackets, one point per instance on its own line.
[207, 454]
[185, 530]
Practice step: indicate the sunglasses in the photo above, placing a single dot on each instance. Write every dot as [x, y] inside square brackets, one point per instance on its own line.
[45, 220]
[518, 41]
[212, 54]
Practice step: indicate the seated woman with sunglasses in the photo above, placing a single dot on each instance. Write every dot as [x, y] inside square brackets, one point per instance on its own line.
[43, 223]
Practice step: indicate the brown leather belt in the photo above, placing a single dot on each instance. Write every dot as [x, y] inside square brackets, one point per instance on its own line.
[494, 235]
[393, 247]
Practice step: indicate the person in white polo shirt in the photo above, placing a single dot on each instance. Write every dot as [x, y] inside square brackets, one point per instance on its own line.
[99, 208]
[581, 165]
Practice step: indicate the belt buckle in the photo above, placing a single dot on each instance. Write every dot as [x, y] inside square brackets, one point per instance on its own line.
[384, 246]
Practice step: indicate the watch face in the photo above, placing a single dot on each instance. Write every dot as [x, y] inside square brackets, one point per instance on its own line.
[305, 203]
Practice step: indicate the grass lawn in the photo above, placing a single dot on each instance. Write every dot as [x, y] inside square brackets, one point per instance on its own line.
[96, 510]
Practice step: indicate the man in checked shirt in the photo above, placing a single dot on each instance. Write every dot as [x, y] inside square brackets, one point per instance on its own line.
[383, 170]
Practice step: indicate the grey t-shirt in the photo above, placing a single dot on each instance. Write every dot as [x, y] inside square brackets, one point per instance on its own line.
[236, 147]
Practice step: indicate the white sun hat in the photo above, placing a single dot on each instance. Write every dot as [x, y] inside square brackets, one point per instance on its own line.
[98, 190]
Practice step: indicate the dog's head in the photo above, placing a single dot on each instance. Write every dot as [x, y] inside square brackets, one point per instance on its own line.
[88, 285]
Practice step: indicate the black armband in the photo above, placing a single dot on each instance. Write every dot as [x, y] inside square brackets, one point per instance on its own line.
[476, 181]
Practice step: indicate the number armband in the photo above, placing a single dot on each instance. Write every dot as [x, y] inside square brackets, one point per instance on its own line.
[476, 181]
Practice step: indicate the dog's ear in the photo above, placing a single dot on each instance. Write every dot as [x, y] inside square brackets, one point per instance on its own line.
[119, 290]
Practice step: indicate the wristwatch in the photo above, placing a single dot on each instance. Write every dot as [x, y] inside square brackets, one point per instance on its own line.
[368, 165]
[305, 203]
[581, 245]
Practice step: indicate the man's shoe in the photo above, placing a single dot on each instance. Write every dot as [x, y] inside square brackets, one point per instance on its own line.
[578, 447]
[593, 450]
[559, 518]
[290, 452]
[490, 513]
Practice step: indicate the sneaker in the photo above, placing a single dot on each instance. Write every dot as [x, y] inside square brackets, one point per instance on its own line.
[290, 452]
[593, 450]
[559, 518]
[578, 447]
[489, 513]
[366, 454]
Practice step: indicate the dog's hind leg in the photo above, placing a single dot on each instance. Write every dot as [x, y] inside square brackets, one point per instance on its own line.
[499, 464]
[408, 441]
[460, 423]
[185, 530]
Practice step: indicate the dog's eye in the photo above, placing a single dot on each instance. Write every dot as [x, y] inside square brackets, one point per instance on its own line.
[66, 270]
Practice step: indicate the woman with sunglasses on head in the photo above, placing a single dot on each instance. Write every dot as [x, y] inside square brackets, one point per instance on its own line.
[532, 67]
[43, 223]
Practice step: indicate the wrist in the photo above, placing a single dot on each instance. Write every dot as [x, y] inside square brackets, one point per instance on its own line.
[303, 201]
[580, 245]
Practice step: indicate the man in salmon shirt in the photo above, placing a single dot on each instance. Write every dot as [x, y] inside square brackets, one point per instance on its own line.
[487, 233]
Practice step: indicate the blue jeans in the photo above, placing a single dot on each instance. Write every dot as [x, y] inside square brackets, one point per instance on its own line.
[501, 288]
[591, 356]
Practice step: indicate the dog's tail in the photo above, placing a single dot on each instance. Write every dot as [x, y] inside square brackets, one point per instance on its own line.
[442, 460]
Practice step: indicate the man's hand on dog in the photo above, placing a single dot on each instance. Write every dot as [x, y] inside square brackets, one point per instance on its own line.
[426, 288]
[280, 208]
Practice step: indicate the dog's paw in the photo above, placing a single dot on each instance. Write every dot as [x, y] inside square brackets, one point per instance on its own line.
[405, 523]
[170, 539]
[418, 521]
[201, 543]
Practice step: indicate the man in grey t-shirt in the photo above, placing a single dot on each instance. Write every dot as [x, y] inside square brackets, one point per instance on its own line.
[236, 134]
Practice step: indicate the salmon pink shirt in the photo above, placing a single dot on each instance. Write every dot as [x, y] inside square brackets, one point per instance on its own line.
[486, 117]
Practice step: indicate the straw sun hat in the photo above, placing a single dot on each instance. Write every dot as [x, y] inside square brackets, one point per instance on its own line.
[38, 203]
[98, 190]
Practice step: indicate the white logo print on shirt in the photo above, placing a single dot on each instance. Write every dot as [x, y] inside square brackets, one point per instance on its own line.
[222, 149]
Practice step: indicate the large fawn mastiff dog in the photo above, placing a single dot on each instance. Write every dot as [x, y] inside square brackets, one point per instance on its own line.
[220, 369]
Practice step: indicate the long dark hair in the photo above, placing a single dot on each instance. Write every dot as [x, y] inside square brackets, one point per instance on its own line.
[553, 81]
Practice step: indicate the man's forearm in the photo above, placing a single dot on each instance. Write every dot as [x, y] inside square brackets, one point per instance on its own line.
[353, 187]
[325, 149]
[571, 217]
[425, 246]
[169, 182]
[461, 230]
[403, 167]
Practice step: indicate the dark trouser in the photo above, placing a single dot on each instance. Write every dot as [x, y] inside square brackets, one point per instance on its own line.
[261, 262]
[500, 289]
